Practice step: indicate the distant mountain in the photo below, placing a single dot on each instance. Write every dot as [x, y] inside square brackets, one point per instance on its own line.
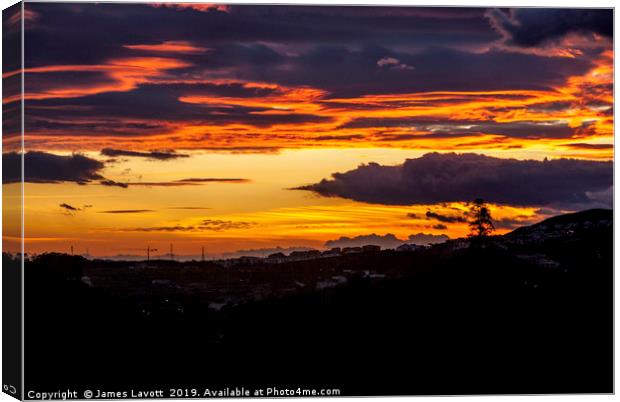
[263, 252]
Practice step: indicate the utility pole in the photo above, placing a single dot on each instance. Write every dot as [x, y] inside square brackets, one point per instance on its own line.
[148, 252]
[171, 253]
[203, 253]
[71, 250]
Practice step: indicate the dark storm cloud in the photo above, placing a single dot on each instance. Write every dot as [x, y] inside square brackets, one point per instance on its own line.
[344, 51]
[257, 55]
[452, 177]
[437, 127]
[59, 35]
[530, 27]
[86, 122]
[11, 38]
[338, 70]
[42, 167]
[11, 118]
[288, 45]
[159, 155]
[349, 73]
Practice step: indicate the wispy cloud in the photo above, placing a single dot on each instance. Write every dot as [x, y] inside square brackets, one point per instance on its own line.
[190, 208]
[445, 218]
[158, 155]
[127, 211]
[214, 225]
[582, 145]
[112, 183]
[174, 183]
[393, 63]
[69, 209]
[170, 47]
[190, 182]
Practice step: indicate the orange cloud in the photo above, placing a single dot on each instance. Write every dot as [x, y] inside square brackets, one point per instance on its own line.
[123, 74]
[203, 7]
[170, 47]
[283, 99]
[582, 104]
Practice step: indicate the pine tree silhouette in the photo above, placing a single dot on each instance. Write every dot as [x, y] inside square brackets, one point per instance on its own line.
[480, 220]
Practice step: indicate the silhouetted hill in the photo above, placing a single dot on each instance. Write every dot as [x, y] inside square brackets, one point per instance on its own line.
[530, 312]
[567, 224]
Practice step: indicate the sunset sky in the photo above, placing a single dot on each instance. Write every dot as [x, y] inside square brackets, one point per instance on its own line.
[251, 127]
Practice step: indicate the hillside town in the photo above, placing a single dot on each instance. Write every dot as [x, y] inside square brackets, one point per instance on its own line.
[165, 286]
[314, 302]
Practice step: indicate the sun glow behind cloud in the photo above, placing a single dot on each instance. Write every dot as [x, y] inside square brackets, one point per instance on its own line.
[276, 111]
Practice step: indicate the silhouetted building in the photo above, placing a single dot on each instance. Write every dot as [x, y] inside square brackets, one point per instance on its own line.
[276, 258]
[304, 255]
[334, 252]
[408, 247]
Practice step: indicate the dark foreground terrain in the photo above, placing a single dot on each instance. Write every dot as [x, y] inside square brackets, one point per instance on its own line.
[528, 312]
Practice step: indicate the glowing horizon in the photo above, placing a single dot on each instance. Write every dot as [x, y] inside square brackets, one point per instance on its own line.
[196, 132]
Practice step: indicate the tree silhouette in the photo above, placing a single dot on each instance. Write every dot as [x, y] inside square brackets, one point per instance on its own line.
[480, 221]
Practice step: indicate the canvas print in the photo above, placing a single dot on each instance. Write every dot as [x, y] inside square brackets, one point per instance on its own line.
[222, 200]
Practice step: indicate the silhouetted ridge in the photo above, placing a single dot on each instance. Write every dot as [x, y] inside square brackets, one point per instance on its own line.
[529, 312]
[568, 222]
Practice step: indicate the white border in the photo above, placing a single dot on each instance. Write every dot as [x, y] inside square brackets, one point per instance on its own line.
[458, 3]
